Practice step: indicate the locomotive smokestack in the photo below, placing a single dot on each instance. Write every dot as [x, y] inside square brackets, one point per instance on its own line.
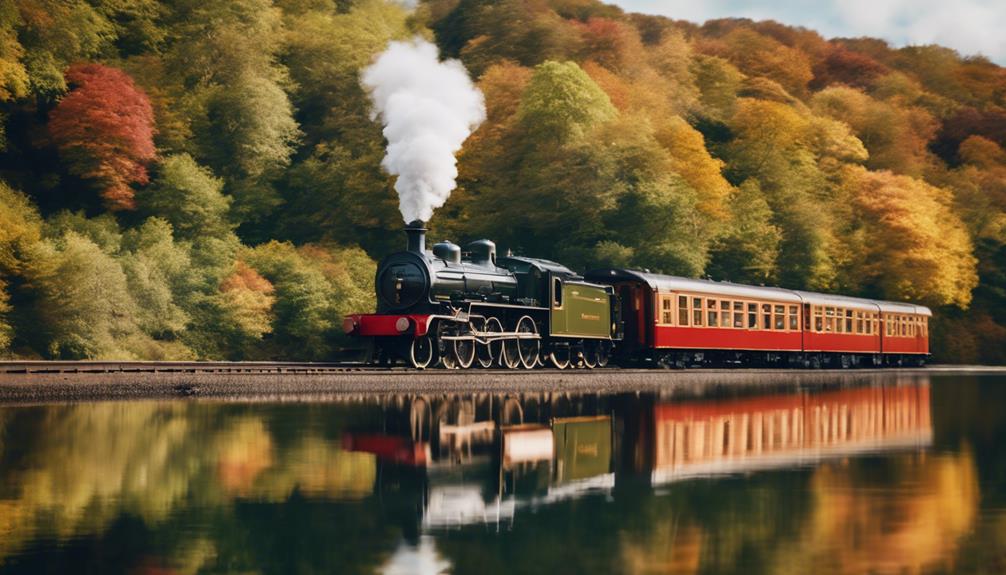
[416, 232]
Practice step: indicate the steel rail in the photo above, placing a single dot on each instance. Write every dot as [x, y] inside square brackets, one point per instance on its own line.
[179, 367]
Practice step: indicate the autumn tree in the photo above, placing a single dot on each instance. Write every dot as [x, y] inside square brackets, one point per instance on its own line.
[759, 55]
[245, 310]
[848, 67]
[896, 136]
[748, 251]
[772, 144]
[916, 248]
[20, 229]
[104, 131]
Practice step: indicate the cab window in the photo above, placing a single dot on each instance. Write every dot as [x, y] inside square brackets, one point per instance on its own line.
[556, 292]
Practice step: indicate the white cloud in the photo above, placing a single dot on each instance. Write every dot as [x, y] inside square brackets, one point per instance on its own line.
[968, 26]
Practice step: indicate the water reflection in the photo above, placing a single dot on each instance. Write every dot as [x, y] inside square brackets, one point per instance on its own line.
[880, 479]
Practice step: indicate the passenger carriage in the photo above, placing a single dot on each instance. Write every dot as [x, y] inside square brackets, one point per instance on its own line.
[678, 322]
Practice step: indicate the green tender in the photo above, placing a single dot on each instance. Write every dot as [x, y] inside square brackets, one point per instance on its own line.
[585, 312]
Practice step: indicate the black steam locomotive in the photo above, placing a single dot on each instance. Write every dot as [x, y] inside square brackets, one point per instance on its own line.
[464, 308]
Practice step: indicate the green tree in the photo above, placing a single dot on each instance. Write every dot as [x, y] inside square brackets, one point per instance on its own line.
[749, 250]
[83, 309]
[158, 274]
[303, 308]
[189, 197]
[561, 103]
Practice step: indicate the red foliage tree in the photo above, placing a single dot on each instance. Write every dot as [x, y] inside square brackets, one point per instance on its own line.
[104, 129]
[844, 66]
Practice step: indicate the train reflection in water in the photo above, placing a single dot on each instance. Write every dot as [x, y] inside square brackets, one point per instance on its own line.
[484, 458]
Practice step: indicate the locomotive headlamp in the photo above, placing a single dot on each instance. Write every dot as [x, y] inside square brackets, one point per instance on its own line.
[402, 325]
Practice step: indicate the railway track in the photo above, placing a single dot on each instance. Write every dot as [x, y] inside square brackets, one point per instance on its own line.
[295, 367]
[13, 367]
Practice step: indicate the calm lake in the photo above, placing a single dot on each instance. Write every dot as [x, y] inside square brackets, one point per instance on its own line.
[906, 474]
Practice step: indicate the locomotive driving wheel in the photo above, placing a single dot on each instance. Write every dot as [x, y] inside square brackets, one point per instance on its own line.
[421, 352]
[528, 347]
[510, 356]
[464, 349]
[492, 351]
[448, 357]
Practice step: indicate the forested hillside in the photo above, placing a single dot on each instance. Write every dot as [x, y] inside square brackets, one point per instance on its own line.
[201, 179]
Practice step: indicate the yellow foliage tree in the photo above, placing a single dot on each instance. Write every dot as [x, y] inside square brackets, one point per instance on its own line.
[916, 248]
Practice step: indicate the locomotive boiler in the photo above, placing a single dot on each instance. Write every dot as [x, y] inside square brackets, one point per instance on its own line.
[462, 308]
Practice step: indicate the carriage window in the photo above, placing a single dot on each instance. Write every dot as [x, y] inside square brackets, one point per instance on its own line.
[713, 318]
[848, 321]
[903, 329]
[794, 321]
[666, 310]
[738, 314]
[557, 292]
[682, 310]
[829, 319]
[859, 322]
[697, 311]
[724, 314]
[818, 319]
[752, 316]
[780, 317]
[887, 326]
[766, 316]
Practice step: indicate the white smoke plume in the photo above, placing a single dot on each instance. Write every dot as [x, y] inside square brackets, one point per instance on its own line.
[428, 109]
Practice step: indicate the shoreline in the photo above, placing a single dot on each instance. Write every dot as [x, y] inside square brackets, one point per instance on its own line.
[40, 387]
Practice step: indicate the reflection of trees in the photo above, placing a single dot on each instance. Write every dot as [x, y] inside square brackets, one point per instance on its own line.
[905, 516]
[80, 468]
[216, 487]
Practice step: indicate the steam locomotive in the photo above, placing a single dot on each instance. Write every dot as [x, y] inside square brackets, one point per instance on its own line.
[438, 307]
[513, 312]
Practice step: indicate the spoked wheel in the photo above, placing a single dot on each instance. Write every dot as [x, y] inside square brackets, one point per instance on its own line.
[483, 354]
[448, 357]
[559, 356]
[491, 352]
[589, 354]
[464, 351]
[527, 347]
[510, 358]
[421, 352]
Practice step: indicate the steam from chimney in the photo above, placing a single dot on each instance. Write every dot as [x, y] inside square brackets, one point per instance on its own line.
[428, 109]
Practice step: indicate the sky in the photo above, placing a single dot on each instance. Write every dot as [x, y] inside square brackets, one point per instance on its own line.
[969, 26]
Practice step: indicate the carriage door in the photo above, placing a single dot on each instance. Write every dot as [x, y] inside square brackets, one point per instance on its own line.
[631, 298]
